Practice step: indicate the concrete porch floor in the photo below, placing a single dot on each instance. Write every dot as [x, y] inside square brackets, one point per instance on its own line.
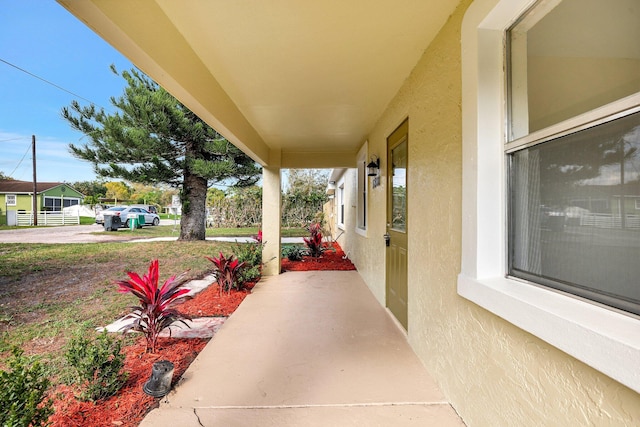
[307, 349]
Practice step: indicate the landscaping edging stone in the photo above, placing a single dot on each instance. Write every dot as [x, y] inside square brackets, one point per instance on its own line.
[200, 327]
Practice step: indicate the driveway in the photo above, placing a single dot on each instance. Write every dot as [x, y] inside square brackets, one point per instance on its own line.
[85, 234]
[65, 234]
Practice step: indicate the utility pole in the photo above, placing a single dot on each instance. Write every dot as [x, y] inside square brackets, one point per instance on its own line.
[35, 182]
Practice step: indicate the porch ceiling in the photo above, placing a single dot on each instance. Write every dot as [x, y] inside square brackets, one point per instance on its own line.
[295, 83]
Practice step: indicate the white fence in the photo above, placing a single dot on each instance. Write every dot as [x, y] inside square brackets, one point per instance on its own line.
[609, 221]
[47, 218]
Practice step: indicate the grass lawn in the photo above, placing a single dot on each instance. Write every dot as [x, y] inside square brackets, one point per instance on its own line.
[48, 291]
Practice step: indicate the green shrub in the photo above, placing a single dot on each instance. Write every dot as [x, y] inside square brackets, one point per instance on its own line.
[251, 255]
[248, 274]
[294, 253]
[97, 365]
[22, 393]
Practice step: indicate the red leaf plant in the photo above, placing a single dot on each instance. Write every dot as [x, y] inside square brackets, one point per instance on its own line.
[258, 237]
[226, 271]
[314, 241]
[154, 312]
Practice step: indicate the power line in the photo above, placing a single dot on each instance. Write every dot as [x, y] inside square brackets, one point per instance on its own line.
[47, 82]
[20, 162]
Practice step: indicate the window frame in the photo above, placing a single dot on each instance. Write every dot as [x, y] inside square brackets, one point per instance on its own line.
[340, 206]
[54, 207]
[15, 199]
[605, 114]
[606, 339]
[361, 187]
[63, 201]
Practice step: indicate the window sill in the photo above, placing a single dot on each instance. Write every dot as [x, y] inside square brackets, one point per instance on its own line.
[361, 231]
[604, 339]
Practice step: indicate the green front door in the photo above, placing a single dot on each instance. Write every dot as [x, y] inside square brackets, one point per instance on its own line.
[396, 262]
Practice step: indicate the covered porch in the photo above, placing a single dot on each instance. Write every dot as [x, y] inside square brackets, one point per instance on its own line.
[337, 84]
[312, 349]
[292, 85]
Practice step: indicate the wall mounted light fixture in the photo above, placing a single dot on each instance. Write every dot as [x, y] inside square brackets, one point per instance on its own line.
[373, 166]
[373, 169]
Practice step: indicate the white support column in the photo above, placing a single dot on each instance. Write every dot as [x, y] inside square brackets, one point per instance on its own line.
[271, 214]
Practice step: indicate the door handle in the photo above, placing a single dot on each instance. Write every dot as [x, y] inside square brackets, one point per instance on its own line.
[387, 239]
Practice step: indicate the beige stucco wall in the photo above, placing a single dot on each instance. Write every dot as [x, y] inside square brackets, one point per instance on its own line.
[339, 232]
[493, 373]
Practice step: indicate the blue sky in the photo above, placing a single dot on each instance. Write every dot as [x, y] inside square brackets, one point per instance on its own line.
[41, 37]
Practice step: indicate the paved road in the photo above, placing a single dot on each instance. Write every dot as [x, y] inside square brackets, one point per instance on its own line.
[66, 234]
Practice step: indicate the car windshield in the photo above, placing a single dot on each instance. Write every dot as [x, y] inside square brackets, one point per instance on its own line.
[116, 208]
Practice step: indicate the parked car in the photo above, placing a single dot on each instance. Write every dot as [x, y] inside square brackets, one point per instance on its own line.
[124, 211]
[553, 218]
[150, 208]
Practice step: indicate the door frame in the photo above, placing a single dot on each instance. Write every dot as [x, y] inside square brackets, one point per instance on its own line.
[396, 282]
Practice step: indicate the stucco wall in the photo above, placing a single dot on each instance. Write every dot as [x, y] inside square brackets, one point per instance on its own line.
[344, 234]
[493, 373]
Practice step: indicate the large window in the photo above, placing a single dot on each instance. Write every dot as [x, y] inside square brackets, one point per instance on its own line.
[573, 151]
[55, 204]
[603, 338]
[573, 221]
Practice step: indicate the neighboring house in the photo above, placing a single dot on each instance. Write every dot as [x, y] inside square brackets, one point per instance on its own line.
[482, 115]
[51, 196]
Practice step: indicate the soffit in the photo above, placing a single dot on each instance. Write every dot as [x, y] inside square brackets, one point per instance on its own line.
[305, 81]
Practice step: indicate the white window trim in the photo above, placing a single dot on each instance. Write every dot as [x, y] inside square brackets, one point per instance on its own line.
[605, 339]
[341, 203]
[362, 158]
[15, 199]
[62, 200]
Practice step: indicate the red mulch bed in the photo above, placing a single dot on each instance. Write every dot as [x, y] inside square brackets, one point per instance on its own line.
[333, 258]
[209, 303]
[131, 404]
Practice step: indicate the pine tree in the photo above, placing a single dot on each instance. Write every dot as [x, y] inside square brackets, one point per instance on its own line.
[153, 139]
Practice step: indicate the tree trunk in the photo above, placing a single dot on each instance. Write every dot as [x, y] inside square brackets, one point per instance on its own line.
[194, 199]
